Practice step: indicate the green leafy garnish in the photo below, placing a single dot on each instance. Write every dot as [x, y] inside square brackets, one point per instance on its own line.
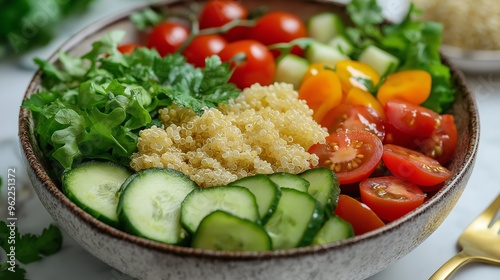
[415, 43]
[27, 248]
[93, 106]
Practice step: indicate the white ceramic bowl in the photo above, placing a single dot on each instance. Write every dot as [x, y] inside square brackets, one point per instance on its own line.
[355, 258]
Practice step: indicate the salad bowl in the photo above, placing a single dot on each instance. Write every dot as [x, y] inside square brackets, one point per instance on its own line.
[355, 258]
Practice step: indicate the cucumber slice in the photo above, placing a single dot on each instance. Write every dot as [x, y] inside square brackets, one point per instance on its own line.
[290, 69]
[93, 186]
[296, 220]
[324, 187]
[291, 181]
[324, 26]
[334, 229]
[201, 202]
[150, 203]
[342, 43]
[382, 61]
[266, 192]
[319, 52]
[223, 231]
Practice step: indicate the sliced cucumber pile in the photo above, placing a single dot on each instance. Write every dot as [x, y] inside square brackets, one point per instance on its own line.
[94, 187]
[255, 213]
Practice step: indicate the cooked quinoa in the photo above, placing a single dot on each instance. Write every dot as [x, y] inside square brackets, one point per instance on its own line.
[264, 130]
[468, 24]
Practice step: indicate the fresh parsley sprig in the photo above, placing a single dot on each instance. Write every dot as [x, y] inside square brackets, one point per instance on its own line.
[28, 248]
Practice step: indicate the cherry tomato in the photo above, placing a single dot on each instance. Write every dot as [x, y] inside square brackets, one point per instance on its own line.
[252, 63]
[355, 117]
[350, 72]
[217, 13]
[202, 47]
[322, 93]
[411, 119]
[167, 37]
[278, 27]
[357, 96]
[360, 216]
[390, 197]
[315, 68]
[413, 86]
[128, 48]
[441, 145]
[397, 137]
[414, 166]
[351, 154]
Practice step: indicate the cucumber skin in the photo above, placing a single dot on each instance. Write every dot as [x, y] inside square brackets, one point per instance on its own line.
[122, 218]
[274, 204]
[197, 235]
[187, 227]
[74, 199]
[333, 197]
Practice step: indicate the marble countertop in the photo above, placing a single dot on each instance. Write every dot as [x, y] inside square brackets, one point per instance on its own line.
[72, 262]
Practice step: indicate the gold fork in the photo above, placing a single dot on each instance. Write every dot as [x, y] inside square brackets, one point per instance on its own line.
[480, 242]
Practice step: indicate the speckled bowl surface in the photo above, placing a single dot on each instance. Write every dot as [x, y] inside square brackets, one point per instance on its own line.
[356, 258]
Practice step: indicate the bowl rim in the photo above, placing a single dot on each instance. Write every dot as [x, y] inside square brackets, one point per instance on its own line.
[34, 163]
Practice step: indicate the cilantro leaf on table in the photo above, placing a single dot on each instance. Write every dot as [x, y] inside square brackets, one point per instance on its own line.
[93, 106]
[28, 248]
[415, 43]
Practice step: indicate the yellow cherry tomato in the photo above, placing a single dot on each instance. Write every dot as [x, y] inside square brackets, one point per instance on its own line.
[357, 96]
[322, 92]
[350, 72]
[315, 68]
[413, 86]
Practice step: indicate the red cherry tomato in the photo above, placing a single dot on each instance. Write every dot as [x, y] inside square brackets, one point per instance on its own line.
[397, 137]
[390, 197]
[411, 119]
[202, 47]
[217, 13]
[351, 154]
[355, 117]
[278, 27]
[360, 216]
[413, 166]
[441, 145]
[128, 48]
[167, 37]
[252, 63]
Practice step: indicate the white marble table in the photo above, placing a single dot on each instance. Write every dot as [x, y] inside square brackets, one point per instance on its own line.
[72, 262]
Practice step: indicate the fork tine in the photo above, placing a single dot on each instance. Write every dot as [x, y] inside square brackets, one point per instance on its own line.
[486, 217]
[496, 226]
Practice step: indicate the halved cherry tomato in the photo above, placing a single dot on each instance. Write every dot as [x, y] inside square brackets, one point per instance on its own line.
[315, 68]
[167, 37]
[217, 13]
[411, 119]
[357, 96]
[351, 154]
[441, 145]
[390, 197]
[278, 27]
[127, 48]
[322, 93]
[414, 166]
[355, 117]
[360, 216]
[350, 72]
[252, 63]
[413, 86]
[202, 47]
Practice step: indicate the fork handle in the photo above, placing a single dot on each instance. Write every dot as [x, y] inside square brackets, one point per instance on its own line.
[451, 266]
